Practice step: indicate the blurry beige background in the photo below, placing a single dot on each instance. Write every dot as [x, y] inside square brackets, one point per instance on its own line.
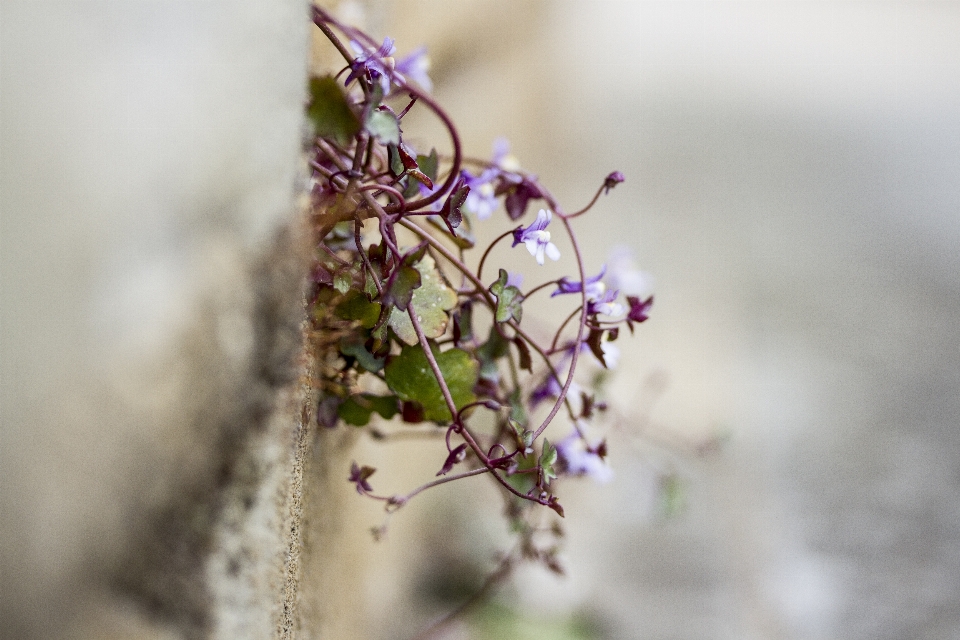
[793, 183]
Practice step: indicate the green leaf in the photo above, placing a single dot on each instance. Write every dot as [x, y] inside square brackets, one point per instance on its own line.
[523, 437]
[356, 410]
[429, 164]
[450, 212]
[369, 285]
[463, 323]
[358, 351]
[376, 95]
[524, 482]
[380, 333]
[430, 302]
[356, 306]
[508, 299]
[415, 255]
[412, 189]
[518, 412]
[353, 413]
[400, 287]
[330, 111]
[489, 352]
[409, 376]
[548, 457]
[383, 125]
[396, 163]
[342, 281]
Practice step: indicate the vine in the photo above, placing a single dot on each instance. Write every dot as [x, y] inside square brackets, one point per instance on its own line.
[415, 333]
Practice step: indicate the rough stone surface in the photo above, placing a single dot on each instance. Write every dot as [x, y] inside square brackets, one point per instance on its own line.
[151, 285]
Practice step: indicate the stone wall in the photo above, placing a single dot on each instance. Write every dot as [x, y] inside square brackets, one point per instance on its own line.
[152, 273]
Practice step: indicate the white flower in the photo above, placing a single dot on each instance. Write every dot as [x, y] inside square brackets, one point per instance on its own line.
[611, 354]
[537, 238]
[622, 274]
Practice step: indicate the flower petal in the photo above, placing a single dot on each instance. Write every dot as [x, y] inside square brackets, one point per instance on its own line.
[552, 252]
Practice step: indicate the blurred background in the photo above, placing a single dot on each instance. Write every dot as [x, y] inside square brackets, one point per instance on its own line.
[793, 185]
[786, 449]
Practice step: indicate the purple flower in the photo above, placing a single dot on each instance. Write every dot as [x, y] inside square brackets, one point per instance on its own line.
[456, 455]
[415, 66]
[639, 310]
[549, 388]
[599, 299]
[537, 238]
[482, 199]
[501, 155]
[595, 288]
[605, 304]
[376, 64]
[577, 459]
[612, 180]
[359, 475]
[514, 279]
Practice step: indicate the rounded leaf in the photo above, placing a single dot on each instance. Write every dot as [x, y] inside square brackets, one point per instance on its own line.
[409, 376]
[430, 301]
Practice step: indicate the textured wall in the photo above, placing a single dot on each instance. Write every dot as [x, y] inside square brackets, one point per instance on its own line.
[150, 311]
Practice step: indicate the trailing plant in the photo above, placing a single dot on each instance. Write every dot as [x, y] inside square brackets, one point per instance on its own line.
[415, 329]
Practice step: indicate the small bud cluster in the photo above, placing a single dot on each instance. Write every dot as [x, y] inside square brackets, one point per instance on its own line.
[418, 336]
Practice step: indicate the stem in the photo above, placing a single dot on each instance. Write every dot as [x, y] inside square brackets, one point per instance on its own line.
[329, 220]
[444, 389]
[383, 187]
[359, 144]
[363, 256]
[331, 153]
[323, 20]
[333, 254]
[439, 481]
[539, 287]
[320, 18]
[487, 252]
[385, 227]
[455, 141]
[369, 159]
[553, 345]
[451, 405]
[413, 101]
[583, 322]
[596, 196]
[329, 175]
